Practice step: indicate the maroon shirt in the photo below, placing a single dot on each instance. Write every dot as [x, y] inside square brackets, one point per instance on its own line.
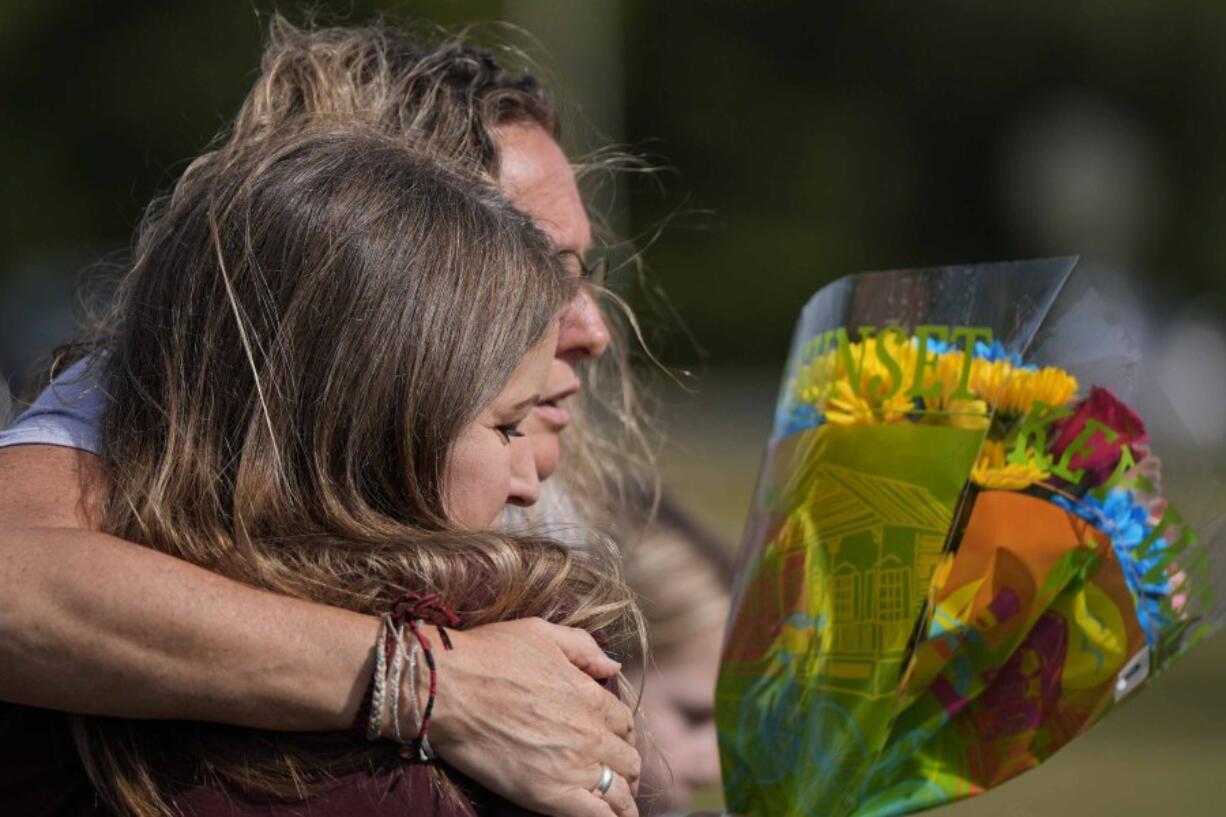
[42, 776]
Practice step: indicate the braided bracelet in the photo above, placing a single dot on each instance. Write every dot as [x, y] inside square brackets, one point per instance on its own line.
[378, 694]
[396, 637]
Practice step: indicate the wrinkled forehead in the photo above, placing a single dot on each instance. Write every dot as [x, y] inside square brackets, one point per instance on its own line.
[538, 178]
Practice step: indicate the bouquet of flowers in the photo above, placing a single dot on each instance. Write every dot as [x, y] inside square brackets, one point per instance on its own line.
[963, 549]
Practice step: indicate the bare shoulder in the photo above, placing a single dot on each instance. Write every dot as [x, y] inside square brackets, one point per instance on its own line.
[49, 486]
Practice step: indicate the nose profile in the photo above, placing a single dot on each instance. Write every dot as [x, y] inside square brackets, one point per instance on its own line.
[584, 333]
[525, 487]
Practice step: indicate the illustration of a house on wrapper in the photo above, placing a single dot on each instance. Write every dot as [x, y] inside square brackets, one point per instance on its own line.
[882, 540]
[842, 580]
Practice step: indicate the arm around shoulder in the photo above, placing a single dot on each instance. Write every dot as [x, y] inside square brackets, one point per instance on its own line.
[95, 624]
[98, 625]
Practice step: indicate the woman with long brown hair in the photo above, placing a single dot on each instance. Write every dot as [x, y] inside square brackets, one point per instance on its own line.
[105, 626]
[320, 360]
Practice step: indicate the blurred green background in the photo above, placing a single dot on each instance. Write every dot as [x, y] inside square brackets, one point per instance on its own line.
[798, 142]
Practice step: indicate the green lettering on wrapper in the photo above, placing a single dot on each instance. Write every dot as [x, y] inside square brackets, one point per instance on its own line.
[1081, 445]
[971, 334]
[926, 362]
[1033, 435]
[892, 366]
[854, 368]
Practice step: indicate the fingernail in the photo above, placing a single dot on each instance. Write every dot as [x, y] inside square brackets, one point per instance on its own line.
[614, 655]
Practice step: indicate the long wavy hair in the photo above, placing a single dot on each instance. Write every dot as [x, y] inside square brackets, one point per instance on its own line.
[308, 324]
[442, 95]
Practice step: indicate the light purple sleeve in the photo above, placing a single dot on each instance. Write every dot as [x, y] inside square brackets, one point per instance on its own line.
[67, 413]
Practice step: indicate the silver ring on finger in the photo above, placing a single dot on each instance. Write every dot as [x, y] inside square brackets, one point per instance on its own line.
[605, 782]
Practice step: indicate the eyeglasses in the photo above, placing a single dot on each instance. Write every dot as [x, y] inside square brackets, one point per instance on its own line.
[591, 271]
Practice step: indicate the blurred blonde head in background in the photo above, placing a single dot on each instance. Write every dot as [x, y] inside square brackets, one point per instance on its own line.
[680, 575]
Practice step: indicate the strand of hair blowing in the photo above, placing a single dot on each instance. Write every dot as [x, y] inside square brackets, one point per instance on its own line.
[303, 333]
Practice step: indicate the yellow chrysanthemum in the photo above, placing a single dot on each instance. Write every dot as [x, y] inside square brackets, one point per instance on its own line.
[947, 373]
[1051, 386]
[990, 380]
[848, 407]
[866, 358]
[994, 471]
[941, 408]
[856, 385]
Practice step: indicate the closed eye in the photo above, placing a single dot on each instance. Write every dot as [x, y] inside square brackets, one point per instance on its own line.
[696, 716]
[509, 431]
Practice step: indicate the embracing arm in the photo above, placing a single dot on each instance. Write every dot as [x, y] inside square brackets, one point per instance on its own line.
[94, 624]
[91, 623]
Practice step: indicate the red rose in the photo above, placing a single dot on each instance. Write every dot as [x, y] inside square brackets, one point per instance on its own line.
[1098, 455]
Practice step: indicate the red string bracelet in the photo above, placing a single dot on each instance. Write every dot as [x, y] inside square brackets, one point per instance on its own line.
[421, 744]
[423, 606]
[411, 609]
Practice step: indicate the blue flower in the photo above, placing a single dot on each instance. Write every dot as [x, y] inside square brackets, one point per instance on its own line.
[995, 351]
[800, 417]
[936, 346]
[1126, 521]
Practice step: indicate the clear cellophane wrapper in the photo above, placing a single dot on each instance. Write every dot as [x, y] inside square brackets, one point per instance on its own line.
[979, 526]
